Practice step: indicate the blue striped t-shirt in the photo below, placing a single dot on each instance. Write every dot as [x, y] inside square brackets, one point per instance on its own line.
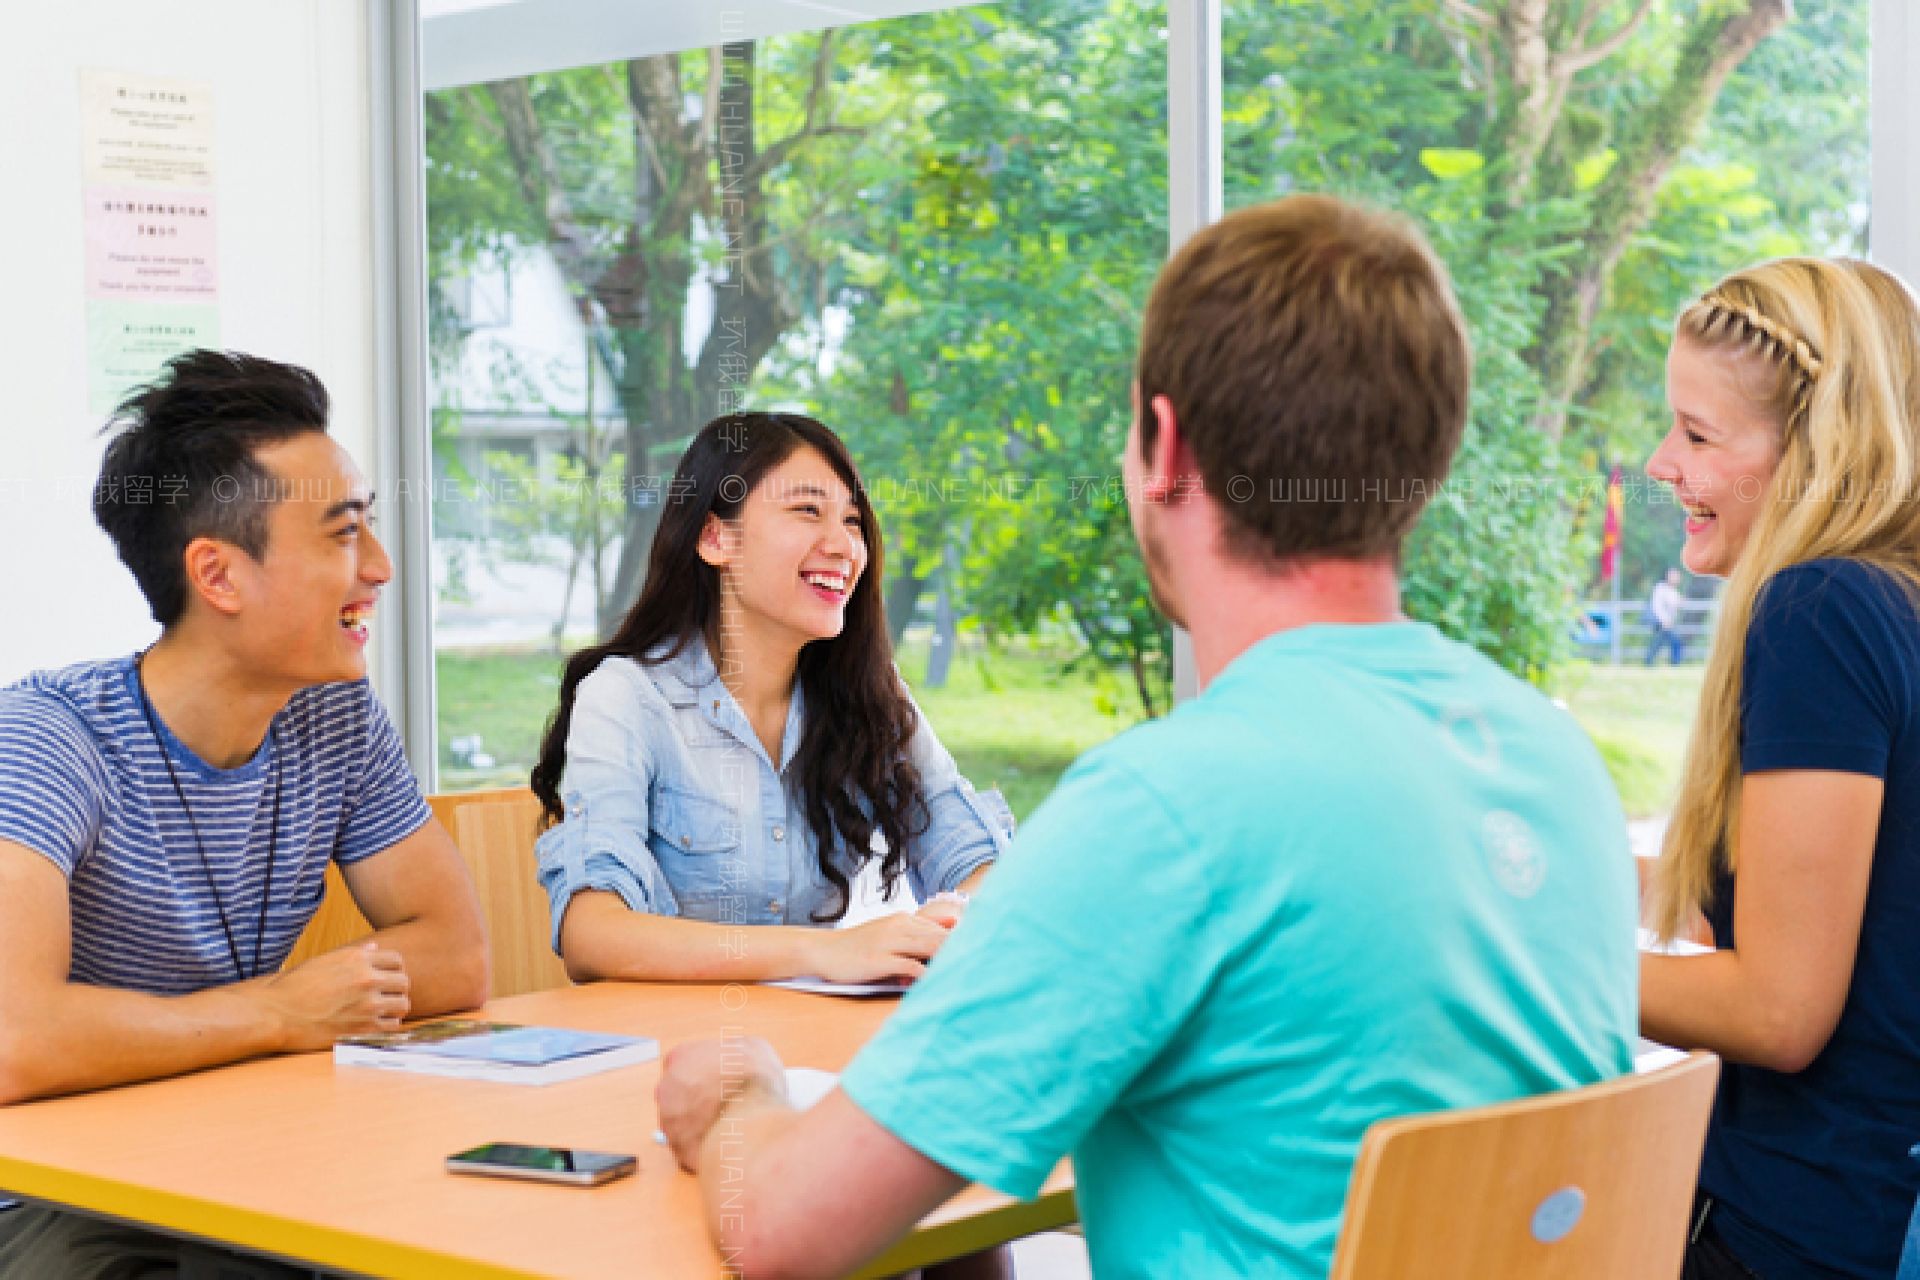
[83, 782]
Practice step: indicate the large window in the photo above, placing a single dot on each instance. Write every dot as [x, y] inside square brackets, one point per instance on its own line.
[934, 232]
[1583, 179]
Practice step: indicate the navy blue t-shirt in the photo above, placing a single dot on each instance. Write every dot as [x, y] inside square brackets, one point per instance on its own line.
[1812, 1170]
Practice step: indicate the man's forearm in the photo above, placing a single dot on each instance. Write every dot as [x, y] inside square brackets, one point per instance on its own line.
[79, 1037]
[818, 1192]
[737, 1212]
[447, 969]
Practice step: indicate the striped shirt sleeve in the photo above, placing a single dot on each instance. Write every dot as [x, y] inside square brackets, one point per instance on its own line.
[386, 806]
[53, 783]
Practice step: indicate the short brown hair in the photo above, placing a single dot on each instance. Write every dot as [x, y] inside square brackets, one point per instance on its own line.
[1319, 369]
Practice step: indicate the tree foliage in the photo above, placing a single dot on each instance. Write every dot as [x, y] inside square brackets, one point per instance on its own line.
[1583, 168]
[984, 379]
[938, 232]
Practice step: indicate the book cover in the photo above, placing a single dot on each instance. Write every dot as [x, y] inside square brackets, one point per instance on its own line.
[501, 1051]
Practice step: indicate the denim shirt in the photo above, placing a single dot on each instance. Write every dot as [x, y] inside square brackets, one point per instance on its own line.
[672, 803]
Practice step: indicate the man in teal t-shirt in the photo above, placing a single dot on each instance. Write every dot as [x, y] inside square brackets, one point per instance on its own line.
[1364, 874]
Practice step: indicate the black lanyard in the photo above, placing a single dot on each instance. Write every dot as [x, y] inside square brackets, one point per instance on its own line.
[273, 835]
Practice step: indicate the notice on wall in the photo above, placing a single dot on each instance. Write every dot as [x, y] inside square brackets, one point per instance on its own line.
[146, 132]
[151, 245]
[127, 342]
[152, 257]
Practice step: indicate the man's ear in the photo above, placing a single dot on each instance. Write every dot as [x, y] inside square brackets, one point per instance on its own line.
[1167, 457]
[209, 565]
[717, 540]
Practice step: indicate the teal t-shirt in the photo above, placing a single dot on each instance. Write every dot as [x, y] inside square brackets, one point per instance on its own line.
[1365, 874]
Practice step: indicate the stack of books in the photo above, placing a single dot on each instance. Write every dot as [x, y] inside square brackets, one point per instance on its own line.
[498, 1051]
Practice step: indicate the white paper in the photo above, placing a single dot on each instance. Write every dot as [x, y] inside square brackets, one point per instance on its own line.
[1650, 943]
[807, 1085]
[1651, 1055]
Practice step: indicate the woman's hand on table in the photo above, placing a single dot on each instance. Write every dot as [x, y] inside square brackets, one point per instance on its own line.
[895, 946]
[945, 908]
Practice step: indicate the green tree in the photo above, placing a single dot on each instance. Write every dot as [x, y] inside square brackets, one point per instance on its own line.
[1780, 169]
[1582, 171]
[937, 232]
[643, 179]
[983, 380]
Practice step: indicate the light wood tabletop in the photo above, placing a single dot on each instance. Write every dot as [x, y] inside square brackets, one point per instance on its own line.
[343, 1167]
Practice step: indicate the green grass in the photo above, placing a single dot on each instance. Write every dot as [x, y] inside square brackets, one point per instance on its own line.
[1014, 720]
[505, 696]
[1011, 718]
[1639, 717]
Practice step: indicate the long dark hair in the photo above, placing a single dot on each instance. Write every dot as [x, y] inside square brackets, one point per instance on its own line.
[852, 767]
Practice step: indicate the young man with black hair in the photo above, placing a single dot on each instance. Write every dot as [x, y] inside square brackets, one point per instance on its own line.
[167, 818]
[1364, 873]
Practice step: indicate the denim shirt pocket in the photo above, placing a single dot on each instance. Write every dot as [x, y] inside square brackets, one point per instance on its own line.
[696, 840]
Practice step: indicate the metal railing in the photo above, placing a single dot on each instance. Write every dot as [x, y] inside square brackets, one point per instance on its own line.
[1622, 631]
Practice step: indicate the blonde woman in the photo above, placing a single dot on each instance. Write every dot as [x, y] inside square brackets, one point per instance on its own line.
[1795, 449]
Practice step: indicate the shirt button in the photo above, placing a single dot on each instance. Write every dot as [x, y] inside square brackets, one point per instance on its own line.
[779, 833]
[716, 706]
[686, 842]
[774, 905]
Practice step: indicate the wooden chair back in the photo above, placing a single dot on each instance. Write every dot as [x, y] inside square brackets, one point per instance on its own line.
[334, 925]
[495, 832]
[1584, 1184]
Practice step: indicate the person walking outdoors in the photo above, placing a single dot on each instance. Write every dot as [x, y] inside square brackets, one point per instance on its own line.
[1663, 610]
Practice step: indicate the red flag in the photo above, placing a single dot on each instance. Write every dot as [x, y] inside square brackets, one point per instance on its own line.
[1610, 533]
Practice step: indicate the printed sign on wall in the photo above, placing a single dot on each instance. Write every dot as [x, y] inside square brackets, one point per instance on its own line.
[153, 277]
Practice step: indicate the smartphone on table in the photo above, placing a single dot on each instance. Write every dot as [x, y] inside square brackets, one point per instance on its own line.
[566, 1165]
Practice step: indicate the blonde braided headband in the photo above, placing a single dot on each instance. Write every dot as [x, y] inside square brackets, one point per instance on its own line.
[1787, 344]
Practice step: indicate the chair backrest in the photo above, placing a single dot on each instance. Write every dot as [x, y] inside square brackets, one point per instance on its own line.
[334, 925]
[1583, 1184]
[495, 832]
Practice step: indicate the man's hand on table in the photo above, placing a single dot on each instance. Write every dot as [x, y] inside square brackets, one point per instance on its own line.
[815, 1192]
[360, 989]
[703, 1079]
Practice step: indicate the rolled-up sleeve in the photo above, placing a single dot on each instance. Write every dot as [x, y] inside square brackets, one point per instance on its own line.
[602, 841]
[966, 828]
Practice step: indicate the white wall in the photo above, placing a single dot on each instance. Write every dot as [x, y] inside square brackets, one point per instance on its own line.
[292, 164]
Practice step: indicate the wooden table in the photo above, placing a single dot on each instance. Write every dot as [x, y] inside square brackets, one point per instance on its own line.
[343, 1167]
